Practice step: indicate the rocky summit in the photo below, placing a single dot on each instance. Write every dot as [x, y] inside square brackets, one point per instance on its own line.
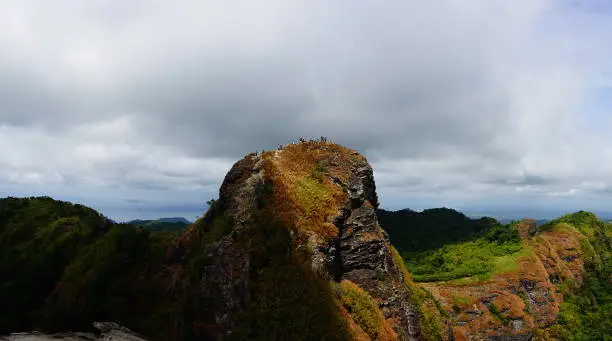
[306, 210]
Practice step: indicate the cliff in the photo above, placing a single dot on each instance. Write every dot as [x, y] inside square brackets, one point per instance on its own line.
[297, 252]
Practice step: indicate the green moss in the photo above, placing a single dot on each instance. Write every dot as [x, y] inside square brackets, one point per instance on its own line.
[399, 262]
[430, 314]
[362, 308]
[459, 301]
[310, 194]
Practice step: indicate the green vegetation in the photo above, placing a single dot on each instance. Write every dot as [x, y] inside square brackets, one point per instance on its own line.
[429, 312]
[496, 252]
[310, 193]
[39, 237]
[318, 172]
[586, 312]
[584, 222]
[443, 244]
[109, 280]
[287, 301]
[459, 301]
[63, 266]
[495, 312]
[159, 225]
[363, 310]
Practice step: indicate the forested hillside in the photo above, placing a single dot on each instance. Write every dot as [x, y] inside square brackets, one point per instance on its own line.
[432, 228]
[175, 225]
[64, 264]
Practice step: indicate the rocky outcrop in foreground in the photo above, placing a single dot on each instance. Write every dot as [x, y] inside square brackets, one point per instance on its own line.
[108, 332]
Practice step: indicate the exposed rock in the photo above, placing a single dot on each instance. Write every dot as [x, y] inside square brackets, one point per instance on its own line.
[109, 331]
[527, 228]
[524, 299]
[224, 281]
[359, 251]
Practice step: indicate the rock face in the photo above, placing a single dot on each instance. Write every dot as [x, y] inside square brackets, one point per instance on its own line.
[109, 331]
[361, 254]
[327, 195]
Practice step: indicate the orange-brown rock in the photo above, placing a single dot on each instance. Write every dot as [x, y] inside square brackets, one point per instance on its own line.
[510, 306]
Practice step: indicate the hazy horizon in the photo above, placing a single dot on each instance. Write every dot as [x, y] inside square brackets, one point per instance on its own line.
[193, 211]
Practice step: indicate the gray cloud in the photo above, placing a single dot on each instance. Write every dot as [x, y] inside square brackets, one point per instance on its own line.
[524, 180]
[452, 102]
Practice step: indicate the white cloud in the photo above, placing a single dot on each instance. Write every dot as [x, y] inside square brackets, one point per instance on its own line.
[454, 102]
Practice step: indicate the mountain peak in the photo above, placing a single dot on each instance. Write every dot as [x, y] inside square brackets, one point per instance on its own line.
[309, 207]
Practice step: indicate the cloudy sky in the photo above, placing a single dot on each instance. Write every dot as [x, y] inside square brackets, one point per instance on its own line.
[139, 108]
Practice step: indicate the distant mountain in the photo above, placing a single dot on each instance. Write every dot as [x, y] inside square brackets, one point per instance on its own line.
[174, 220]
[161, 220]
[176, 224]
[539, 222]
[432, 228]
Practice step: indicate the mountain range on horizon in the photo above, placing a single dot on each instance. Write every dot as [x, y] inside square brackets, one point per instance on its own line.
[180, 220]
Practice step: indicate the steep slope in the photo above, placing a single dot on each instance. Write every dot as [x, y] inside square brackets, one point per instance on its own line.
[552, 283]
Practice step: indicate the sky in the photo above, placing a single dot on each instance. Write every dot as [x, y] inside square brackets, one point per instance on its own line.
[139, 108]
